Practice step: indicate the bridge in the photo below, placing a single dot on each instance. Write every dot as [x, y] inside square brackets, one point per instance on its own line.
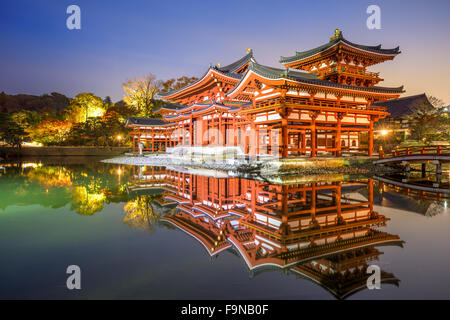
[423, 189]
[436, 154]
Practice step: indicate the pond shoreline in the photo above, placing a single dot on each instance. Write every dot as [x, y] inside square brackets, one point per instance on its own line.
[300, 169]
[60, 151]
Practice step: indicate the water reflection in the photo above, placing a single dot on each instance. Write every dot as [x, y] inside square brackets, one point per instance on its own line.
[326, 232]
[414, 193]
[86, 188]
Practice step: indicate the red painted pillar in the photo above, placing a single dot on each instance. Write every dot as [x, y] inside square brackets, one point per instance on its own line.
[371, 137]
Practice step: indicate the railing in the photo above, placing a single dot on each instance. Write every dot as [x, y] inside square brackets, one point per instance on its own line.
[306, 102]
[353, 71]
[408, 151]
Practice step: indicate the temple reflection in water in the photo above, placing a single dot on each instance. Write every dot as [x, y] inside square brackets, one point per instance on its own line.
[326, 232]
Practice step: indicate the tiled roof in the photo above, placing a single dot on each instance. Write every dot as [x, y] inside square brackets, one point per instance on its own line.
[204, 107]
[310, 78]
[239, 63]
[226, 71]
[306, 54]
[147, 121]
[172, 106]
[407, 105]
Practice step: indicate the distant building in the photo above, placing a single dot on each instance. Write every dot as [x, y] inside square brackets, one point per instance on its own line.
[400, 109]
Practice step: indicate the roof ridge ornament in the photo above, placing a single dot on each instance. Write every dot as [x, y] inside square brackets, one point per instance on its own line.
[249, 50]
[337, 34]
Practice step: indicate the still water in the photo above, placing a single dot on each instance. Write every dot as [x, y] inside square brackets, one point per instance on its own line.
[169, 233]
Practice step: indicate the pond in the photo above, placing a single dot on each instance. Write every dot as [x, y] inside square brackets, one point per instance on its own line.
[170, 233]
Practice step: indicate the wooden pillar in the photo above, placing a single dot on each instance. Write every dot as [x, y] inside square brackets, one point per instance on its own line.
[284, 209]
[253, 199]
[338, 201]
[253, 133]
[220, 132]
[269, 146]
[313, 201]
[191, 131]
[284, 139]
[339, 117]
[371, 137]
[153, 142]
[304, 141]
[235, 131]
[257, 140]
[313, 134]
[284, 126]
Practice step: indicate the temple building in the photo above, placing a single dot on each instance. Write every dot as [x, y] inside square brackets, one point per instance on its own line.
[400, 110]
[321, 102]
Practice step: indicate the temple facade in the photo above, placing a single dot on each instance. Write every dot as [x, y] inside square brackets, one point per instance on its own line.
[322, 102]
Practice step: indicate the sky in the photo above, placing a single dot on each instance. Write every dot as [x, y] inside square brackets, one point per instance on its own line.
[122, 40]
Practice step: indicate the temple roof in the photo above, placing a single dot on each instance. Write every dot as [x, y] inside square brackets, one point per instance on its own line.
[202, 108]
[228, 71]
[169, 107]
[307, 78]
[235, 66]
[142, 121]
[335, 41]
[406, 105]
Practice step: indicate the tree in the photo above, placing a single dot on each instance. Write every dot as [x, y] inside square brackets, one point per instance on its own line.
[140, 94]
[10, 131]
[54, 102]
[27, 120]
[107, 101]
[113, 126]
[85, 105]
[123, 111]
[429, 125]
[51, 131]
[174, 84]
[139, 213]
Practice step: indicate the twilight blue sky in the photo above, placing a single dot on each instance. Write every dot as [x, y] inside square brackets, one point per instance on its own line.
[120, 40]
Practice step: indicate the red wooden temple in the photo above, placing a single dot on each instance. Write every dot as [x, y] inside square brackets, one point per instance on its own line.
[322, 102]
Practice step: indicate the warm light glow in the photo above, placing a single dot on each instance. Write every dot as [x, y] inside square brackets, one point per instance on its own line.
[384, 132]
[96, 112]
[32, 144]
[31, 165]
[119, 137]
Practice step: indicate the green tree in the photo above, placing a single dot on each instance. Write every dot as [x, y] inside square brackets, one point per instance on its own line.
[10, 131]
[429, 125]
[107, 102]
[178, 83]
[28, 120]
[85, 105]
[140, 93]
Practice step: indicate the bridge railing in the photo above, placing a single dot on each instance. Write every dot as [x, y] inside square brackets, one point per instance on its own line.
[407, 151]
